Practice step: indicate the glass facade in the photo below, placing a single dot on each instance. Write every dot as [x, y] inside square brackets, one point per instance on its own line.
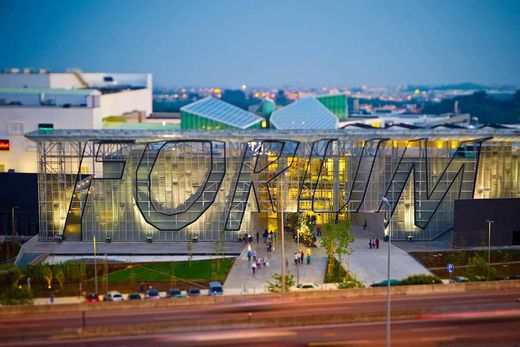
[172, 185]
[337, 104]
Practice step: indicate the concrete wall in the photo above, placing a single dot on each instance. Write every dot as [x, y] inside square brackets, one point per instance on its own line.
[470, 228]
[15, 121]
[115, 104]
[8, 80]
[70, 80]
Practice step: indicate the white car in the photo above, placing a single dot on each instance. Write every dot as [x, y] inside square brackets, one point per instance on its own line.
[113, 296]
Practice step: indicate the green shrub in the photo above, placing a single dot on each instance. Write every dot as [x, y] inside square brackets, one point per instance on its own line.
[478, 269]
[276, 285]
[14, 295]
[420, 279]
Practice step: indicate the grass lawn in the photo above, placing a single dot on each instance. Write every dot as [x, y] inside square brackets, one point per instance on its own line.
[199, 270]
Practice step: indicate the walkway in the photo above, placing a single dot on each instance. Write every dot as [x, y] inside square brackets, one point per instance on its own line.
[370, 265]
[241, 280]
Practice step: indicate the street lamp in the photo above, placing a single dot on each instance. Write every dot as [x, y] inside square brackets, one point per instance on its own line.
[95, 266]
[387, 218]
[298, 249]
[282, 233]
[489, 222]
[13, 220]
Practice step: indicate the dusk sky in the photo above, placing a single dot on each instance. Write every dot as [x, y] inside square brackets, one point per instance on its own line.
[269, 43]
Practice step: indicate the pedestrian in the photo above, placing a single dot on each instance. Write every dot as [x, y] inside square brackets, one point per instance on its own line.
[254, 255]
[264, 236]
[365, 224]
[377, 242]
[370, 243]
[257, 237]
[308, 259]
[301, 256]
[249, 255]
[253, 267]
[51, 298]
[263, 261]
[296, 258]
[266, 264]
[258, 264]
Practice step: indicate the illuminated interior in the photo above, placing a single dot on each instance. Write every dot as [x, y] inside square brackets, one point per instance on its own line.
[128, 185]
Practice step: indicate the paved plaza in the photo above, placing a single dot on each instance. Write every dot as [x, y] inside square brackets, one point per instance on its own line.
[241, 279]
[368, 265]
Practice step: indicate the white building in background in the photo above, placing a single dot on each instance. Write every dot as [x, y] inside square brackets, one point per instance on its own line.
[38, 99]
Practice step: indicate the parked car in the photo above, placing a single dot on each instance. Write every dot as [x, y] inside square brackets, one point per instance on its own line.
[384, 283]
[175, 293]
[307, 285]
[152, 294]
[215, 289]
[92, 297]
[193, 292]
[134, 296]
[459, 279]
[113, 296]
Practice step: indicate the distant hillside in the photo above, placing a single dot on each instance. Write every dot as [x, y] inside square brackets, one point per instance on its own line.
[488, 109]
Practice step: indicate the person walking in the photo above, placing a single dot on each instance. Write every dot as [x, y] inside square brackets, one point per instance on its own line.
[296, 258]
[249, 255]
[301, 257]
[253, 267]
[254, 255]
[257, 236]
[377, 242]
[370, 243]
[308, 259]
[364, 225]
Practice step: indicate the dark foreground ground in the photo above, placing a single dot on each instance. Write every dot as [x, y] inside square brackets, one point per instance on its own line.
[480, 318]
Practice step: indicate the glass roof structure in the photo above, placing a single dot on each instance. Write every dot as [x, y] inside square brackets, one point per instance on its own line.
[134, 135]
[222, 112]
[306, 113]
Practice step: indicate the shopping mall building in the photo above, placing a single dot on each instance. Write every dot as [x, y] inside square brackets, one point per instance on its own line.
[130, 185]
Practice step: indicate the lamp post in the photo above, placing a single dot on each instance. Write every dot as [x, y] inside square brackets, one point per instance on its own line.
[298, 248]
[95, 266]
[282, 233]
[13, 220]
[489, 222]
[388, 318]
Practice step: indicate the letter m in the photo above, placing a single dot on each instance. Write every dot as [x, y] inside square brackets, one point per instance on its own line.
[452, 179]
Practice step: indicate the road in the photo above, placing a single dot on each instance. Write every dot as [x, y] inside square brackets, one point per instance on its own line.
[472, 319]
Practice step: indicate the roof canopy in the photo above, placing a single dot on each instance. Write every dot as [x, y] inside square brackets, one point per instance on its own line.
[306, 113]
[222, 112]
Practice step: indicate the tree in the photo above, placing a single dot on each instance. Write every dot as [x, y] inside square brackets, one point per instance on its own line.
[276, 285]
[60, 276]
[48, 275]
[336, 239]
[479, 269]
[304, 230]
